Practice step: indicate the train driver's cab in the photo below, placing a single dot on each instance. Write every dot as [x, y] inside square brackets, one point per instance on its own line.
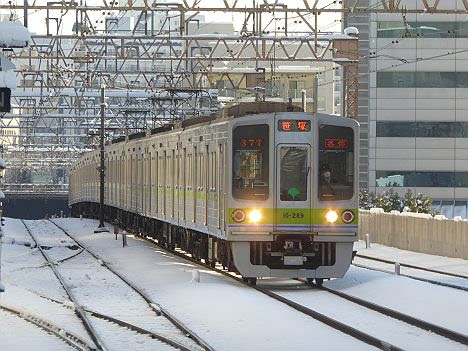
[335, 163]
[250, 178]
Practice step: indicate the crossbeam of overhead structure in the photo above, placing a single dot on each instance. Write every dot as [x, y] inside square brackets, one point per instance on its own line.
[157, 73]
[240, 6]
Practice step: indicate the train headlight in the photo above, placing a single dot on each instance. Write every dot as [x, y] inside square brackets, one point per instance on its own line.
[255, 216]
[331, 216]
[238, 215]
[347, 216]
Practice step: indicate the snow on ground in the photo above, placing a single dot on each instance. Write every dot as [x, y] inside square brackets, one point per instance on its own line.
[228, 315]
[56, 313]
[446, 264]
[436, 304]
[31, 286]
[24, 267]
[393, 331]
[18, 334]
[98, 289]
[117, 338]
[396, 292]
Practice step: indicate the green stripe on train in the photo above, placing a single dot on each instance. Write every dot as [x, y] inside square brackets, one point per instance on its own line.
[293, 216]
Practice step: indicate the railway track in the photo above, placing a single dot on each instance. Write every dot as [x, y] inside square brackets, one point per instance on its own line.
[423, 269]
[413, 266]
[92, 318]
[66, 336]
[365, 337]
[421, 324]
[78, 310]
[153, 305]
[347, 329]
[335, 324]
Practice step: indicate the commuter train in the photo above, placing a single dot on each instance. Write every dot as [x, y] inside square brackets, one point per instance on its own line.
[261, 189]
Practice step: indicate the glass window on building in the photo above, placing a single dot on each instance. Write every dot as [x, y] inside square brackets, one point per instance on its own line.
[321, 78]
[396, 129]
[422, 129]
[436, 79]
[292, 84]
[322, 103]
[396, 79]
[422, 79]
[399, 29]
[421, 179]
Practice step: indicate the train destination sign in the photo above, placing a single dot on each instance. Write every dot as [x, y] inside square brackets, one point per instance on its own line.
[336, 143]
[251, 143]
[287, 125]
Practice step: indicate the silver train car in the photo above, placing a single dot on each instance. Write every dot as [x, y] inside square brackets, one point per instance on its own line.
[267, 194]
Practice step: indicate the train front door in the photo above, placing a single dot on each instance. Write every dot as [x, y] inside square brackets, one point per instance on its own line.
[293, 195]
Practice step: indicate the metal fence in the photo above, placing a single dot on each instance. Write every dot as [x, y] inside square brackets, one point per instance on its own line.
[36, 190]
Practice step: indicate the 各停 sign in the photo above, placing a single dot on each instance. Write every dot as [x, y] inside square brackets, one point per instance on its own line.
[336, 143]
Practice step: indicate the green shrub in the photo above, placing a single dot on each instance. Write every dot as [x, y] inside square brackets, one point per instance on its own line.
[390, 200]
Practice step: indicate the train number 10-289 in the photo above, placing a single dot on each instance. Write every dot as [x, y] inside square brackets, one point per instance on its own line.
[293, 215]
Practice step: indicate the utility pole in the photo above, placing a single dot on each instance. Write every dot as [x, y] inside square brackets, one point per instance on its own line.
[102, 228]
[2, 196]
[315, 94]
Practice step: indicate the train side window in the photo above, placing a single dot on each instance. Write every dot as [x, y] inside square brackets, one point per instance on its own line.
[250, 163]
[215, 171]
[336, 163]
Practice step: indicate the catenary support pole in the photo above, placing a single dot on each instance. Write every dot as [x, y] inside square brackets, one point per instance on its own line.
[304, 100]
[101, 227]
[101, 167]
[315, 94]
[25, 13]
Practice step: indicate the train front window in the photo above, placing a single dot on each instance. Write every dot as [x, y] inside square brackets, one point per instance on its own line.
[250, 162]
[294, 171]
[336, 163]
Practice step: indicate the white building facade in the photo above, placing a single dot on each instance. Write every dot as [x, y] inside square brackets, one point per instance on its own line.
[416, 76]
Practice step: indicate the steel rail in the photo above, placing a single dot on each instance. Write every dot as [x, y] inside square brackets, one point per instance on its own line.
[65, 335]
[154, 306]
[78, 309]
[119, 322]
[447, 333]
[70, 257]
[412, 266]
[342, 327]
[140, 330]
[425, 280]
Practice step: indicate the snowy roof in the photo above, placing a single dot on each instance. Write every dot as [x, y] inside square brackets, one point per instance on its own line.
[14, 35]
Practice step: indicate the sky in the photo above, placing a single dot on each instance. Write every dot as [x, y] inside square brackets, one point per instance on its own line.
[37, 21]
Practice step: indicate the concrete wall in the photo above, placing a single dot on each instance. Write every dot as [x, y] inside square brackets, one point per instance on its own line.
[37, 208]
[408, 232]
